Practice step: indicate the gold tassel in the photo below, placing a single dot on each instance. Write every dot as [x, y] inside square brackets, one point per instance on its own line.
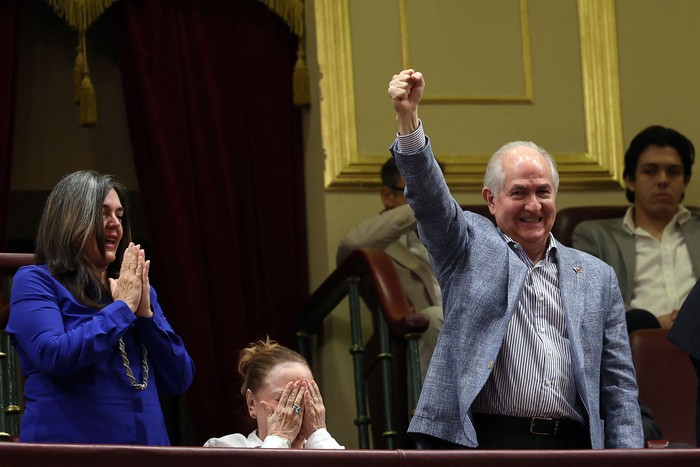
[80, 14]
[292, 12]
[302, 94]
[88, 102]
[78, 74]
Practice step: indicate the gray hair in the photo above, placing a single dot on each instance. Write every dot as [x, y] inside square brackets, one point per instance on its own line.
[72, 214]
[495, 176]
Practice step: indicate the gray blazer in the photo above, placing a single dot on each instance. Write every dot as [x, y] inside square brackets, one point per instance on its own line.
[481, 279]
[607, 240]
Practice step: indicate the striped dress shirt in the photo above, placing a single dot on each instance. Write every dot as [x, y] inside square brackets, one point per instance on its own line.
[532, 375]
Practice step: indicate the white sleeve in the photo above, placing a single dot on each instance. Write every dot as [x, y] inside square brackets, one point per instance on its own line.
[322, 439]
[235, 440]
[274, 441]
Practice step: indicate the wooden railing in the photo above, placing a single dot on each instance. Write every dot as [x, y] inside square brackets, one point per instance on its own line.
[25, 454]
[369, 274]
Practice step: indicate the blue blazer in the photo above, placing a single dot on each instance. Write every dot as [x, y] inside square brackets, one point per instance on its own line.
[481, 279]
[76, 388]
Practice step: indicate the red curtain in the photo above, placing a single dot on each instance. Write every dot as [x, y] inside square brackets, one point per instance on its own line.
[9, 61]
[217, 147]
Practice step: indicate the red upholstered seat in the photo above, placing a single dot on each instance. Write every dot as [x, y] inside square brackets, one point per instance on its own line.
[667, 383]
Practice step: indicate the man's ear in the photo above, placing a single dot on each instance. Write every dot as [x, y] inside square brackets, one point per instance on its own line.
[387, 197]
[488, 197]
[629, 183]
[250, 402]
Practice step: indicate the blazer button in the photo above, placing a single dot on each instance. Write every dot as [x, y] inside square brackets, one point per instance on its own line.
[489, 365]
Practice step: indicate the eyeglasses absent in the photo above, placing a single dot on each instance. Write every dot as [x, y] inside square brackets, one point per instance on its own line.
[396, 188]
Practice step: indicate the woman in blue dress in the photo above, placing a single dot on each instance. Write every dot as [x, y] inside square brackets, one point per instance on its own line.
[92, 340]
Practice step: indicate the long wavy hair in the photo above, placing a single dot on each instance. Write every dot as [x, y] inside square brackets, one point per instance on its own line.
[72, 215]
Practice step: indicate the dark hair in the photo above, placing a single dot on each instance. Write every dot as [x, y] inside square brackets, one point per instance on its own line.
[390, 173]
[657, 135]
[257, 360]
[72, 214]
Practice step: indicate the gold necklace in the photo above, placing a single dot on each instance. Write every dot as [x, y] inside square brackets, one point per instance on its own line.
[127, 367]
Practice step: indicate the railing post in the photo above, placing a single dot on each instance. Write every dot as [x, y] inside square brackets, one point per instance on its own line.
[304, 346]
[413, 365]
[357, 350]
[13, 410]
[5, 432]
[414, 374]
[385, 357]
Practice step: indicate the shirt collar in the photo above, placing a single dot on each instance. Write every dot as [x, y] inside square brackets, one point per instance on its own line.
[549, 255]
[682, 216]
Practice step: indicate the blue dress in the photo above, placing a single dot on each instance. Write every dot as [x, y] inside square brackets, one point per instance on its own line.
[76, 388]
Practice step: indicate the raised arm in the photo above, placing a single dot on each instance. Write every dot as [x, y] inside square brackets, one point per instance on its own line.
[406, 91]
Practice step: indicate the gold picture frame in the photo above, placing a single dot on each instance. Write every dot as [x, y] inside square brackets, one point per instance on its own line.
[598, 167]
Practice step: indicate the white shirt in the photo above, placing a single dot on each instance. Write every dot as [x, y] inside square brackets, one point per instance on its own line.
[663, 271]
[320, 439]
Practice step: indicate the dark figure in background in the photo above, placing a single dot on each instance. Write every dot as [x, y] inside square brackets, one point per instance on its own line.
[92, 340]
[394, 231]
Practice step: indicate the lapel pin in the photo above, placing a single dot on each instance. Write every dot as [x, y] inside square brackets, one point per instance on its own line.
[578, 269]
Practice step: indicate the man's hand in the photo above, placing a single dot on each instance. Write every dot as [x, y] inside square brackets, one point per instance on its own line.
[666, 321]
[406, 91]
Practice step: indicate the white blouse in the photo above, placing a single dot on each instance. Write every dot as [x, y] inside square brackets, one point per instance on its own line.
[320, 439]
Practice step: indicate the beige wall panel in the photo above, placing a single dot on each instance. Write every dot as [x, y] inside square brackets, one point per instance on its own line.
[49, 141]
[456, 41]
[495, 72]
[660, 70]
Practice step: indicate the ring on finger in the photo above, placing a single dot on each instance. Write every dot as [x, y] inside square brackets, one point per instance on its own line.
[296, 408]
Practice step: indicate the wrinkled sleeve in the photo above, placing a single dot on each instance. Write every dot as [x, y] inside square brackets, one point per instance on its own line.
[322, 439]
[173, 366]
[378, 231]
[37, 328]
[235, 440]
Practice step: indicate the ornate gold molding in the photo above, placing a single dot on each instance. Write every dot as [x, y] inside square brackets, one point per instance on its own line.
[599, 167]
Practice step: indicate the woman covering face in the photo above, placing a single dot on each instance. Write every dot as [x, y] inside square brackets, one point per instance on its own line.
[92, 339]
[282, 398]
